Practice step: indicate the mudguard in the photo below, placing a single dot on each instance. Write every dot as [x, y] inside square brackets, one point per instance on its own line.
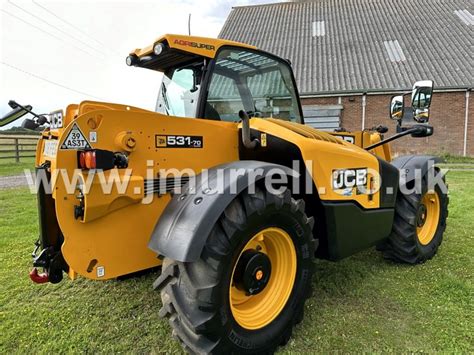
[409, 164]
[186, 222]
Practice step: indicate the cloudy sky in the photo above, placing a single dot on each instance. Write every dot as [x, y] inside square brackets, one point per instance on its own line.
[58, 52]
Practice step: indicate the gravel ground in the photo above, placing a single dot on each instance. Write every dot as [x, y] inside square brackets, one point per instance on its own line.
[8, 182]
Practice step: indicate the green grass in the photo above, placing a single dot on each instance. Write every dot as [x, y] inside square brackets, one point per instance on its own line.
[9, 167]
[362, 303]
[457, 159]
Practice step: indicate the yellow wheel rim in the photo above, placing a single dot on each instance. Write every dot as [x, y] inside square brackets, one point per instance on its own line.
[256, 311]
[428, 217]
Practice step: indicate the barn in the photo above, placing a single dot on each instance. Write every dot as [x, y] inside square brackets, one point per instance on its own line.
[351, 57]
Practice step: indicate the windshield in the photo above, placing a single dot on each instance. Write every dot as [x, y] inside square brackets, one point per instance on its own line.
[242, 79]
[179, 92]
[254, 82]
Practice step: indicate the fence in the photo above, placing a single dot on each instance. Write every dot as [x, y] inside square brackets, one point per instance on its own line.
[17, 147]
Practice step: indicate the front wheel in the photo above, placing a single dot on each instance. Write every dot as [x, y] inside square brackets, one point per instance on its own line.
[248, 289]
[419, 225]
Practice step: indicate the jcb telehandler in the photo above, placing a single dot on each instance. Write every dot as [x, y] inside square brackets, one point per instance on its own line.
[236, 251]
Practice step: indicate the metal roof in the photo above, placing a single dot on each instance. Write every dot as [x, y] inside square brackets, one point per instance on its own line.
[368, 45]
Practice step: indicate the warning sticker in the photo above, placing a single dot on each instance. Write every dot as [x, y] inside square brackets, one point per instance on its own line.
[75, 139]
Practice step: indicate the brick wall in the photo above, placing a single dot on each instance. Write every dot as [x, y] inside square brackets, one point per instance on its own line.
[470, 129]
[447, 115]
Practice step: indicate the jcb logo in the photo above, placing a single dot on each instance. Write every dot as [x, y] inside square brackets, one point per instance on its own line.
[160, 141]
[348, 178]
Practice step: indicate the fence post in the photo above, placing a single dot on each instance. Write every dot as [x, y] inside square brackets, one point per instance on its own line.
[17, 151]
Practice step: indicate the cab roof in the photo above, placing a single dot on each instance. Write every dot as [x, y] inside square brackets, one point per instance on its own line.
[199, 46]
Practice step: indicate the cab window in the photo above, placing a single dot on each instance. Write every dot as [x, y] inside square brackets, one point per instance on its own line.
[254, 82]
[179, 93]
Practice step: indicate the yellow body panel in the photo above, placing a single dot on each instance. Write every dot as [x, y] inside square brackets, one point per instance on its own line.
[116, 228]
[206, 47]
[325, 157]
[111, 236]
[364, 138]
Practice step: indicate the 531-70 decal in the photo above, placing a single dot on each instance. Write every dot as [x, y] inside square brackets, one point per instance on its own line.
[178, 141]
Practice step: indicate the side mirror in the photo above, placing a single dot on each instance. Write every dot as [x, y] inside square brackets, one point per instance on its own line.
[14, 114]
[29, 124]
[396, 107]
[421, 100]
[13, 104]
[42, 120]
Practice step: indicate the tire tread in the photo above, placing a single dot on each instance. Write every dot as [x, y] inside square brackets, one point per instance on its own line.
[186, 304]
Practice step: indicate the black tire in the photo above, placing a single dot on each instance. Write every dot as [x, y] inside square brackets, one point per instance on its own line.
[195, 295]
[403, 244]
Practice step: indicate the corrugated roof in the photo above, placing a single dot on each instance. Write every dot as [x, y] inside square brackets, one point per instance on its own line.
[361, 40]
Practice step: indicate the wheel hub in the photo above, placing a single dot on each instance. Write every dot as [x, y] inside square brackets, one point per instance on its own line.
[263, 278]
[427, 217]
[421, 215]
[252, 272]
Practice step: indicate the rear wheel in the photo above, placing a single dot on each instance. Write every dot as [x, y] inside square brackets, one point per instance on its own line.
[418, 227]
[248, 288]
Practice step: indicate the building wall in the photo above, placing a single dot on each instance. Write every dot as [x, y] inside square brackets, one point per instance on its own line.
[470, 128]
[447, 116]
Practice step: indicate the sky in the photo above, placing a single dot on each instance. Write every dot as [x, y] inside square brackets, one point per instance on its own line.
[54, 53]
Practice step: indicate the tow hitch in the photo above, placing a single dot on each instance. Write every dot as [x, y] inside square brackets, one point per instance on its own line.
[38, 278]
[51, 261]
[47, 254]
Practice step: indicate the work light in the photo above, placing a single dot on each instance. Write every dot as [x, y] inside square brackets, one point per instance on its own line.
[158, 48]
[130, 60]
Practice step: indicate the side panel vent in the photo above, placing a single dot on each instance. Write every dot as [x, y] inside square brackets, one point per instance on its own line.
[306, 131]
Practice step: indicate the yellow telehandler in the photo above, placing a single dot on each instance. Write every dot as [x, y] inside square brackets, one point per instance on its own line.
[226, 189]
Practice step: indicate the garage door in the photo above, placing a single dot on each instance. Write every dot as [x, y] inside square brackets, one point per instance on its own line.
[323, 117]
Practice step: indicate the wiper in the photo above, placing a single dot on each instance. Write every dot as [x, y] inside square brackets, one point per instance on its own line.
[165, 98]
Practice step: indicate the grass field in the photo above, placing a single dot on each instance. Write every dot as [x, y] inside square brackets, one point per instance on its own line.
[8, 167]
[362, 303]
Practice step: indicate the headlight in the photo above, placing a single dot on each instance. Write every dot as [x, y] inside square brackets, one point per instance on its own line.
[158, 48]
